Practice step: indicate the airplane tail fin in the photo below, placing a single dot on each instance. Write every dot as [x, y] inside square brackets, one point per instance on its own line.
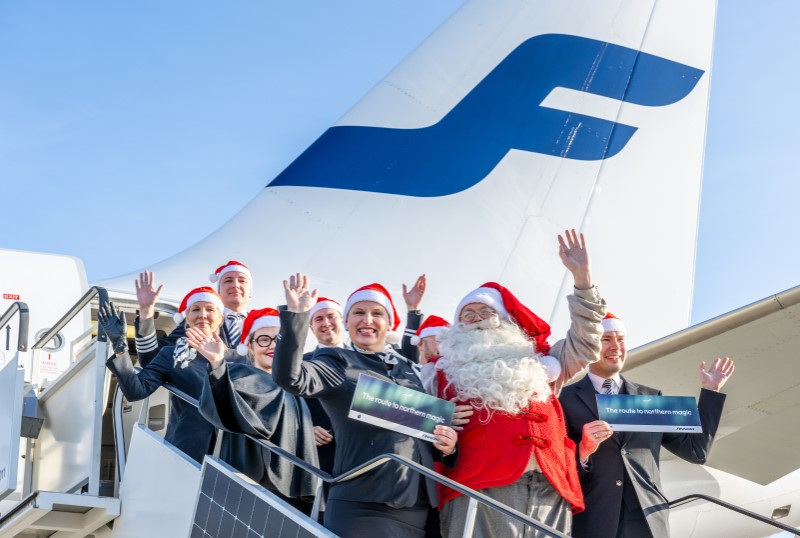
[514, 121]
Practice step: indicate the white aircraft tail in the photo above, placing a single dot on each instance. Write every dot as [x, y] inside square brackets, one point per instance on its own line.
[514, 121]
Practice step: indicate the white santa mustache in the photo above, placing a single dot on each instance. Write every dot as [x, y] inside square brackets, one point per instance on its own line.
[495, 368]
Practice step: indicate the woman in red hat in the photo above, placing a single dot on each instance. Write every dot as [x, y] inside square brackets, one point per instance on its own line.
[180, 365]
[389, 500]
[259, 408]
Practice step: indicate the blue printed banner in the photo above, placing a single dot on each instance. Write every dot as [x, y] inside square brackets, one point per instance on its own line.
[649, 413]
[397, 408]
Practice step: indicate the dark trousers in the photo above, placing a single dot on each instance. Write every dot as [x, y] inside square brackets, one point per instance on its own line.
[632, 524]
[351, 519]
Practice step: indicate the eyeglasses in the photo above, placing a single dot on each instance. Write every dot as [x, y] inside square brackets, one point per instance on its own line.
[471, 315]
[265, 340]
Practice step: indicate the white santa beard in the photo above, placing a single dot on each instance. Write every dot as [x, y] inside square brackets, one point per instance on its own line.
[495, 368]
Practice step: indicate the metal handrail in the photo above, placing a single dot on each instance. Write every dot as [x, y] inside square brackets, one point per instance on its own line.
[738, 509]
[475, 496]
[303, 464]
[100, 345]
[71, 313]
[24, 320]
[119, 437]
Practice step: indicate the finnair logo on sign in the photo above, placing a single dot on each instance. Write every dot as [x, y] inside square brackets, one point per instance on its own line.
[506, 110]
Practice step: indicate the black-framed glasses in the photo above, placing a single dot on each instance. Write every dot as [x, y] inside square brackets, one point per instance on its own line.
[265, 340]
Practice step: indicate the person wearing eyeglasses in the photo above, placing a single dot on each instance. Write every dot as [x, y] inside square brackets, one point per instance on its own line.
[515, 448]
[259, 337]
[260, 408]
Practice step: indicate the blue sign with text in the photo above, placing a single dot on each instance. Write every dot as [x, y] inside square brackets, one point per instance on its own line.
[649, 413]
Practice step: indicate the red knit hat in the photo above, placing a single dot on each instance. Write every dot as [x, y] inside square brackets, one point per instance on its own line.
[255, 320]
[376, 293]
[508, 307]
[432, 326]
[322, 303]
[232, 265]
[203, 293]
[612, 323]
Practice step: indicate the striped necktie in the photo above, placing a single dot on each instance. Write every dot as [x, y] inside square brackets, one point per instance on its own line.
[608, 387]
[233, 321]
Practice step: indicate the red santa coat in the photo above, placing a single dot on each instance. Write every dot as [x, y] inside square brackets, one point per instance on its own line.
[496, 452]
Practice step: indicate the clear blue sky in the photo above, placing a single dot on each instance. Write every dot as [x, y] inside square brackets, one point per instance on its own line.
[119, 121]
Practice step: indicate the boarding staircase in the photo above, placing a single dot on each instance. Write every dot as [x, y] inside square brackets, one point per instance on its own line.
[56, 486]
[83, 462]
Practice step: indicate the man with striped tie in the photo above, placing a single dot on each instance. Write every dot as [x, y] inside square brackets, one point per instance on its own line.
[619, 471]
[235, 287]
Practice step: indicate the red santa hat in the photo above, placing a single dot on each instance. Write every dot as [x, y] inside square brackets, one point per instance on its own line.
[612, 323]
[203, 293]
[232, 265]
[509, 308]
[255, 320]
[376, 293]
[322, 303]
[432, 326]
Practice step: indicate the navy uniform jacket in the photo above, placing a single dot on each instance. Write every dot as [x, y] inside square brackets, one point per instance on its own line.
[625, 468]
[148, 348]
[187, 430]
[331, 376]
[320, 418]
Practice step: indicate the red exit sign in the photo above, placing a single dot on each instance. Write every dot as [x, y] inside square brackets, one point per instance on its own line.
[11, 296]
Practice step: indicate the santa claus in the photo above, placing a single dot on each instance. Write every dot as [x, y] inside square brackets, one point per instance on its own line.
[497, 359]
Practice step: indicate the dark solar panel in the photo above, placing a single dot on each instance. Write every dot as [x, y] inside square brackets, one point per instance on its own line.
[230, 505]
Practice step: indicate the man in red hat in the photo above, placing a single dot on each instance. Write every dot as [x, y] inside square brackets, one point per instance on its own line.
[617, 471]
[515, 449]
[428, 349]
[235, 287]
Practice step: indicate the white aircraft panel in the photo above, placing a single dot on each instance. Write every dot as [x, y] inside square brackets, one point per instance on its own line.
[451, 167]
[757, 438]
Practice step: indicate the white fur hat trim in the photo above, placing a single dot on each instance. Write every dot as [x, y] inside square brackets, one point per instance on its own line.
[322, 305]
[259, 323]
[427, 331]
[488, 296]
[375, 297]
[197, 297]
[613, 325]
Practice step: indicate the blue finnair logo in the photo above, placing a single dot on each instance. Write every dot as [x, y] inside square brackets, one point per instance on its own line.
[501, 113]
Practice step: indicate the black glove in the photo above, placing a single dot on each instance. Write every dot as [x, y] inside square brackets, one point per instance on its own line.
[113, 324]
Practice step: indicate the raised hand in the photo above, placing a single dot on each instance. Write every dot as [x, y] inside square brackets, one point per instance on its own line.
[113, 323]
[716, 376]
[211, 347]
[575, 257]
[298, 297]
[413, 296]
[146, 294]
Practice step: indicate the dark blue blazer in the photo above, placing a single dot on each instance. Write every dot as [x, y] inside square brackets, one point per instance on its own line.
[625, 468]
[187, 430]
